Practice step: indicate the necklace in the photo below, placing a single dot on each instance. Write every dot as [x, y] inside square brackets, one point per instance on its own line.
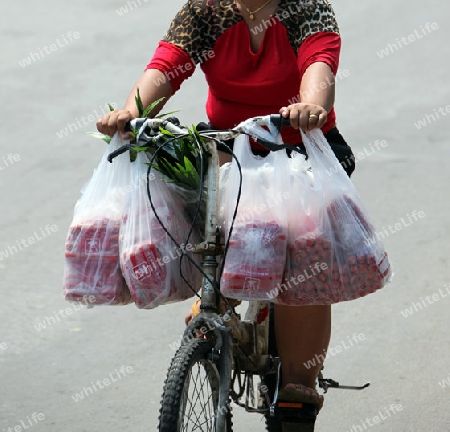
[252, 13]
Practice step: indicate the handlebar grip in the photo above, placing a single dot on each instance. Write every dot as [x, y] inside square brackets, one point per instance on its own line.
[279, 121]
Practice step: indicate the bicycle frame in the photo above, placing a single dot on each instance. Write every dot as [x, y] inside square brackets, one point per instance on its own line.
[243, 344]
[247, 334]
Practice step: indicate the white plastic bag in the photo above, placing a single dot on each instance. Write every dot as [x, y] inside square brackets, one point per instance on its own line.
[256, 256]
[150, 261]
[333, 252]
[91, 269]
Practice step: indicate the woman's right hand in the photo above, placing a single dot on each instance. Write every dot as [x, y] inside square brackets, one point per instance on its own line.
[114, 121]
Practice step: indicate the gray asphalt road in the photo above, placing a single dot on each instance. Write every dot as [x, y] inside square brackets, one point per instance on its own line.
[93, 55]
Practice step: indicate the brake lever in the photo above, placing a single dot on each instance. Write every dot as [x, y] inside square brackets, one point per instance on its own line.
[119, 151]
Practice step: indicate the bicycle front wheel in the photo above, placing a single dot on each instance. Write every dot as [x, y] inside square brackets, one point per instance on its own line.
[191, 391]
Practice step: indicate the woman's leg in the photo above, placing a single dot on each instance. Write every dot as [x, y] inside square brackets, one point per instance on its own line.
[302, 335]
[224, 158]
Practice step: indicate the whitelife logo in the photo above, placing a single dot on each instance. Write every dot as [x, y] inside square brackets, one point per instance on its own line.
[317, 87]
[282, 287]
[8, 161]
[187, 67]
[112, 378]
[35, 56]
[430, 118]
[79, 123]
[129, 6]
[26, 424]
[406, 40]
[445, 382]
[425, 302]
[384, 233]
[87, 302]
[25, 243]
[381, 416]
[359, 156]
[344, 345]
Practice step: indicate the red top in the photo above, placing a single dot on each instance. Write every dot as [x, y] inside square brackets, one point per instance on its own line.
[244, 84]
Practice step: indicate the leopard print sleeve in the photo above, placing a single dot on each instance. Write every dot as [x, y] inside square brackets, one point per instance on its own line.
[192, 29]
[316, 16]
[307, 17]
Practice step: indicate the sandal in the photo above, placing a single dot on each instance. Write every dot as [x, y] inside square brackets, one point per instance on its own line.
[301, 394]
[195, 308]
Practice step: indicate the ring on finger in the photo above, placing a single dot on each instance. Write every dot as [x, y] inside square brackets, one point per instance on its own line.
[313, 116]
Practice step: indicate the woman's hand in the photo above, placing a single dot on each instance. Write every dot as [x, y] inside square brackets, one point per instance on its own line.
[114, 121]
[305, 116]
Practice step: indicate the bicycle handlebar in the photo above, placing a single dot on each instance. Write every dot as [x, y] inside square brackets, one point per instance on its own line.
[172, 125]
[279, 121]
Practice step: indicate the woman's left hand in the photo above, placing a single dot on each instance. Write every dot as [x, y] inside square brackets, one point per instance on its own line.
[305, 116]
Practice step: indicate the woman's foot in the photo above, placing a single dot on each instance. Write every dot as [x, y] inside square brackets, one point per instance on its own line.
[195, 309]
[300, 393]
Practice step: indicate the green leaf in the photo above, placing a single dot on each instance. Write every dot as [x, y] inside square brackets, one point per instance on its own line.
[111, 108]
[139, 104]
[141, 148]
[179, 150]
[165, 132]
[166, 114]
[150, 108]
[133, 155]
[101, 136]
[190, 167]
[164, 167]
[181, 169]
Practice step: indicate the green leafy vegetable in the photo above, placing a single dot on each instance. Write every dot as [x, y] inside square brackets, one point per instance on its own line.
[150, 108]
[139, 105]
[101, 136]
[178, 160]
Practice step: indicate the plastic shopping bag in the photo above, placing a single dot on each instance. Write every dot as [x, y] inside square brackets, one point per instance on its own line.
[256, 256]
[150, 260]
[333, 251]
[91, 268]
[224, 175]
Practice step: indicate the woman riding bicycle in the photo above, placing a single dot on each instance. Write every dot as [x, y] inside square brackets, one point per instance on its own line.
[259, 57]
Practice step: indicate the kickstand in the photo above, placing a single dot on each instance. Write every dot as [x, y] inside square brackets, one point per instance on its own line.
[326, 383]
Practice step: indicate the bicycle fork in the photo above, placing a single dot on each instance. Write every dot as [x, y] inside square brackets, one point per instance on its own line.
[225, 365]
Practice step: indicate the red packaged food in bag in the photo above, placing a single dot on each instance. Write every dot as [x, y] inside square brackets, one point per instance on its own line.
[149, 259]
[333, 253]
[256, 257]
[266, 243]
[92, 271]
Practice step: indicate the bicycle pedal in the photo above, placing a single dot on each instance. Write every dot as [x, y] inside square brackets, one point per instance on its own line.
[297, 427]
[295, 416]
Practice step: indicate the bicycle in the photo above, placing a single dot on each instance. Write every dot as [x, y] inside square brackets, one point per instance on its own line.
[224, 353]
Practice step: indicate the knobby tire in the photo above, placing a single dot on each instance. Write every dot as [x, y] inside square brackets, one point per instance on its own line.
[192, 372]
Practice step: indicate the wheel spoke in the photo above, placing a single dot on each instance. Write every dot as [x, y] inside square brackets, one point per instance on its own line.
[190, 399]
[199, 409]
